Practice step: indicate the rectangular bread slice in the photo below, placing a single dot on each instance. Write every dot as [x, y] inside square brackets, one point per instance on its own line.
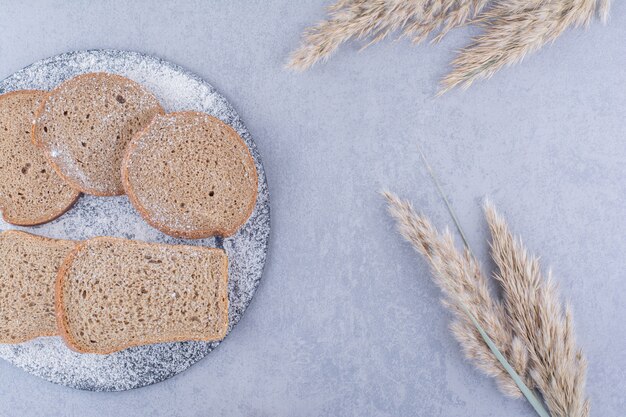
[29, 266]
[114, 293]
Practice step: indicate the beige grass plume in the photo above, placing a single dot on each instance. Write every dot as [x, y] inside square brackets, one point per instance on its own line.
[514, 29]
[463, 284]
[530, 327]
[556, 366]
[511, 29]
[376, 19]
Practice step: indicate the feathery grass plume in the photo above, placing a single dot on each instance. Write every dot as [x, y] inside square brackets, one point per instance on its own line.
[515, 28]
[531, 330]
[465, 291]
[376, 19]
[556, 366]
[512, 29]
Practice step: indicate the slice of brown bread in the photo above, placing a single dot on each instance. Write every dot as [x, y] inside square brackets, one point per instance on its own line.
[30, 191]
[28, 273]
[113, 293]
[191, 176]
[85, 124]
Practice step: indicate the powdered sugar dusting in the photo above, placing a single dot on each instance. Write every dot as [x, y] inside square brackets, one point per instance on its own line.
[177, 90]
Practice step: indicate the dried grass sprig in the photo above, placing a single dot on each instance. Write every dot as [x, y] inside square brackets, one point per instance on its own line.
[530, 328]
[376, 19]
[511, 29]
[514, 29]
[464, 287]
[556, 366]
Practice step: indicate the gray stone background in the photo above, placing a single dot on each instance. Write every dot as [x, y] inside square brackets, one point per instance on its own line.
[346, 320]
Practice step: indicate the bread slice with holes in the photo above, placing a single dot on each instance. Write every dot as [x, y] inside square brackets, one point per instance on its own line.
[28, 273]
[190, 175]
[84, 125]
[31, 192]
[113, 293]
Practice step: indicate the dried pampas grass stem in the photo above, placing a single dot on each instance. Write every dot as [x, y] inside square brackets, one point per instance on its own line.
[525, 341]
[514, 29]
[465, 289]
[511, 29]
[556, 366]
[376, 19]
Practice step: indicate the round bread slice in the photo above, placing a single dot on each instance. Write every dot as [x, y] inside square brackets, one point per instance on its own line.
[31, 192]
[85, 124]
[190, 176]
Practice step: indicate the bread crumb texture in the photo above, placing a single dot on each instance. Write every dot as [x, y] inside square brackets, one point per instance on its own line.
[85, 124]
[28, 273]
[117, 293]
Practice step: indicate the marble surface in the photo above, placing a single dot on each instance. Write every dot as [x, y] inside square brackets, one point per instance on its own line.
[346, 321]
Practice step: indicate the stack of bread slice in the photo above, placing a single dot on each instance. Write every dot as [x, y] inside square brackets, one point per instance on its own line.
[106, 294]
[188, 174]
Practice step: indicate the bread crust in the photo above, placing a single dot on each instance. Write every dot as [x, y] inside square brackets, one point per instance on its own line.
[44, 219]
[41, 220]
[59, 306]
[36, 139]
[30, 336]
[61, 314]
[41, 334]
[193, 234]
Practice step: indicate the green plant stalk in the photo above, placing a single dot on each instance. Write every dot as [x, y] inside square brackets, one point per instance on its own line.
[532, 399]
